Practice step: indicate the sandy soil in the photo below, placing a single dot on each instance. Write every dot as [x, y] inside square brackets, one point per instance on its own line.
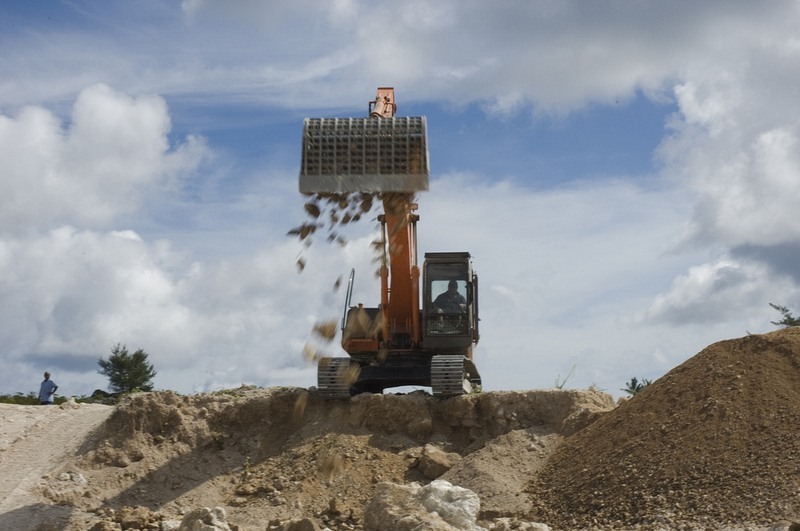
[271, 455]
[711, 445]
[713, 442]
[34, 440]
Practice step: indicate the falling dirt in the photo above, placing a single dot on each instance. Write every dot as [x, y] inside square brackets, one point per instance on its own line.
[334, 211]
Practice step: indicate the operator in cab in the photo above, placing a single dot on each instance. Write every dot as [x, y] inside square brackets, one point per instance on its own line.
[451, 301]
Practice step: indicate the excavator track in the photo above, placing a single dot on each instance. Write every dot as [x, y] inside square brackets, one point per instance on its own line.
[334, 377]
[449, 376]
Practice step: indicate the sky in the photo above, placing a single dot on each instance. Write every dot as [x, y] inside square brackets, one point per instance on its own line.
[625, 174]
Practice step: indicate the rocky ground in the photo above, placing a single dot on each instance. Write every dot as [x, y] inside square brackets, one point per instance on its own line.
[711, 445]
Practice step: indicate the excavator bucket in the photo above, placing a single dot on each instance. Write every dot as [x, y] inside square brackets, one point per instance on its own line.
[364, 155]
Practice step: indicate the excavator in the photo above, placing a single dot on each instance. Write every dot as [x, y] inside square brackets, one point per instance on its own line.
[396, 343]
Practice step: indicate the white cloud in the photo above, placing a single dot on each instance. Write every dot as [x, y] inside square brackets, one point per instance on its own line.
[563, 275]
[744, 173]
[592, 274]
[111, 156]
[69, 290]
[714, 292]
[734, 143]
[550, 56]
[70, 295]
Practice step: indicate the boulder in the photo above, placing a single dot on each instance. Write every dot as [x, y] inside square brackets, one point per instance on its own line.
[439, 506]
[434, 461]
[510, 524]
[135, 517]
[205, 519]
[70, 403]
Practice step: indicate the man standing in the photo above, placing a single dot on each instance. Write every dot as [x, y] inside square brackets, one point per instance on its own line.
[46, 390]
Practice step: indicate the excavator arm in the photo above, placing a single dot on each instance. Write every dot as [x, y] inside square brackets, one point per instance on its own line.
[396, 343]
[386, 155]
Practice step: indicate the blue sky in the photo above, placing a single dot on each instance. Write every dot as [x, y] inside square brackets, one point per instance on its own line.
[624, 174]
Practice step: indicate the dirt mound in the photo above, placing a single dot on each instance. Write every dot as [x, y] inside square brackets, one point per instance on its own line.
[713, 442]
[711, 445]
[270, 455]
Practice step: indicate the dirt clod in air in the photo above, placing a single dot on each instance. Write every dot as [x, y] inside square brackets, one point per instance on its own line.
[334, 211]
[331, 465]
[337, 210]
[326, 329]
[300, 406]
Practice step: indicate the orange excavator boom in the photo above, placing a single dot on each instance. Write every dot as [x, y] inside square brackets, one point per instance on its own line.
[400, 341]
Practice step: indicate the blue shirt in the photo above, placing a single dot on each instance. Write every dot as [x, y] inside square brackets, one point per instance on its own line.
[46, 391]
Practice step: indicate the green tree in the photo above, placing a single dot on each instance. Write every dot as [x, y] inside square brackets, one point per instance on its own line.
[127, 372]
[634, 386]
[788, 318]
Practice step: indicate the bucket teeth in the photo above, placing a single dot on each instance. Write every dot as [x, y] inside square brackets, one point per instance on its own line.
[364, 155]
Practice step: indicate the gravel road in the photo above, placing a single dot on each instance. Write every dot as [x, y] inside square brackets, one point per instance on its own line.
[33, 441]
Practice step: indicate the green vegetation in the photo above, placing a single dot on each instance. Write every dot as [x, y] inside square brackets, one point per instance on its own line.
[32, 399]
[561, 382]
[127, 372]
[635, 386]
[788, 318]
[246, 469]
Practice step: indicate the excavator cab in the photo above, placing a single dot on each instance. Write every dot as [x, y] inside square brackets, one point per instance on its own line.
[450, 303]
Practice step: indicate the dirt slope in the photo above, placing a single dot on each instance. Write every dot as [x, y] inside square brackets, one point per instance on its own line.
[275, 454]
[711, 445]
[34, 440]
[714, 442]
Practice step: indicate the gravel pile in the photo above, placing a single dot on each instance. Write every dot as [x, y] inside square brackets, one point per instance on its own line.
[712, 444]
